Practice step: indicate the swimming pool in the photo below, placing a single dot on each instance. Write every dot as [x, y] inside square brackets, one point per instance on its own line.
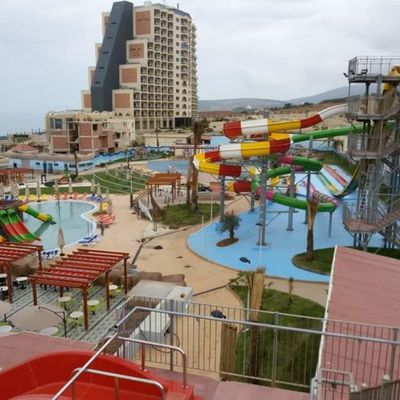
[70, 215]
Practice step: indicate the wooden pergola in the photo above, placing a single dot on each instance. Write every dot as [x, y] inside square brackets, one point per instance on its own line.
[11, 252]
[79, 270]
[163, 179]
[9, 174]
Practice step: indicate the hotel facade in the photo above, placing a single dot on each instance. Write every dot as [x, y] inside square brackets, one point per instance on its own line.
[145, 79]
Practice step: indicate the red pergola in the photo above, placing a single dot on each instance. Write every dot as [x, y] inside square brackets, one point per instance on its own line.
[79, 270]
[11, 252]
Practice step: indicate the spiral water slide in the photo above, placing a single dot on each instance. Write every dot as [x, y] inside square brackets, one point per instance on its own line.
[279, 142]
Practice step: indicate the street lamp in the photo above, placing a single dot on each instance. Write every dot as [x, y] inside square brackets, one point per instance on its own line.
[62, 317]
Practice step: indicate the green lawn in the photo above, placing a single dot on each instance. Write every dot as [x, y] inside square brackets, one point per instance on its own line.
[323, 258]
[297, 353]
[177, 216]
[116, 182]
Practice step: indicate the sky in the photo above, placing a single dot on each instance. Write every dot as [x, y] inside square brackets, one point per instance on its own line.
[276, 49]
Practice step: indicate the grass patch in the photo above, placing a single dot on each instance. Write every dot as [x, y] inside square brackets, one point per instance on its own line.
[117, 183]
[180, 215]
[297, 353]
[323, 258]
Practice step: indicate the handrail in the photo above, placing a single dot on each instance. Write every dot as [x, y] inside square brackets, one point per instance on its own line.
[260, 325]
[85, 366]
[120, 376]
[166, 346]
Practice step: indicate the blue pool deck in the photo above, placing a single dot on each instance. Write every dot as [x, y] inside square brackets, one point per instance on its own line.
[282, 244]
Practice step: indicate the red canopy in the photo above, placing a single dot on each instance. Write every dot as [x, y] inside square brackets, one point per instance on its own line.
[11, 252]
[79, 270]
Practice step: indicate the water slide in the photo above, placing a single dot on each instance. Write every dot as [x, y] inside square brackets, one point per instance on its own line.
[36, 214]
[279, 142]
[42, 376]
[351, 186]
[303, 164]
[15, 228]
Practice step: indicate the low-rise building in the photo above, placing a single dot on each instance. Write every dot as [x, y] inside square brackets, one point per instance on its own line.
[89, 132]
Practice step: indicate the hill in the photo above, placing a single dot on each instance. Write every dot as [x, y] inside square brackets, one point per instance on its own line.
[254, 103]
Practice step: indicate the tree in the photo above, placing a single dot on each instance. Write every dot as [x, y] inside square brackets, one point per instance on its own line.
[76, 161]
[230, 222]
[312, 213]
[199, 128]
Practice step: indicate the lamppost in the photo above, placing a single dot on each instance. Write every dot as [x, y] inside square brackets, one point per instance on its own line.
[62, 317]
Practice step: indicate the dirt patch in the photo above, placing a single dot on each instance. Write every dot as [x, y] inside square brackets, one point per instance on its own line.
[227, 242]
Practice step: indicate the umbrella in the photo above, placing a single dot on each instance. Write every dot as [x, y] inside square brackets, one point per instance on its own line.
[109, 207]
[93, 188]
[61, 240]
[1, 190]
[107, 195]
[98, 189]
[14, 190]
[27, 191]
[55, 187]
[70, 187]
[4, 308]
[38, 190]
[35, 318]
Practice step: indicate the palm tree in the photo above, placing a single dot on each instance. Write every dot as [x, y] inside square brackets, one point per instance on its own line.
[199, 128]
[230, 222]
[312, 213]
[76, 160]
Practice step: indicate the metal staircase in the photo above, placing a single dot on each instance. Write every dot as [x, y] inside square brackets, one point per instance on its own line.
[377, 149]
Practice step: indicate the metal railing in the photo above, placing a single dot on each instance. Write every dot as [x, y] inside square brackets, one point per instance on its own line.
[276, 352]
[117, 378]
[373, 106]
[386, 391]
[372, 65]
[370, 219]
[144, 343]
[332, 384]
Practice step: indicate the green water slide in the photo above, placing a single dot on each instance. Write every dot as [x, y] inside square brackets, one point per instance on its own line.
[15, 228]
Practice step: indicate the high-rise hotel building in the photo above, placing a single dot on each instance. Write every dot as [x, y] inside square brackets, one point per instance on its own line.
[145, 77]
[146, 66]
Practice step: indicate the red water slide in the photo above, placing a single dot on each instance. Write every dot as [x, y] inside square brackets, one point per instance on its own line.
[41, 377]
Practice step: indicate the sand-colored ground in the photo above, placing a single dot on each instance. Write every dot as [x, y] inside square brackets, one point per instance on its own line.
[175, 257]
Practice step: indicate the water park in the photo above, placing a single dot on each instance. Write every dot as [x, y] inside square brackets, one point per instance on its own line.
[209, 264]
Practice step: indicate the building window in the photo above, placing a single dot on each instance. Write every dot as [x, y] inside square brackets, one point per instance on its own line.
[37, 163]
[56, 123]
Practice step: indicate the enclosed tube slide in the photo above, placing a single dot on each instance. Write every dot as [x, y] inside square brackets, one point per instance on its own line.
[327, 203]
[36, 214]
[212, 162]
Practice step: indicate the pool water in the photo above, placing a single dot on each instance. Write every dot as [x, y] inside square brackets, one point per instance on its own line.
[70, 215]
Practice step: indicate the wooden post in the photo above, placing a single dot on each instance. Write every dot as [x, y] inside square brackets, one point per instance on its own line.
[85, 308]
[228, 346]
[40, 259]
[126, 275]
[107, 282]
[61, 291]
[9, 283]
[34, 294]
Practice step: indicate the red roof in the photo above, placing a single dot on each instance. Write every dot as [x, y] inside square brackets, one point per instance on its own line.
[364, 288]
[24, 148]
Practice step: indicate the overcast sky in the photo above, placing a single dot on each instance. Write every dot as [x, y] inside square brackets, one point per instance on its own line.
[277, 49]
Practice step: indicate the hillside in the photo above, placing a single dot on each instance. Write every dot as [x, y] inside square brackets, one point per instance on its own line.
[253, 103]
